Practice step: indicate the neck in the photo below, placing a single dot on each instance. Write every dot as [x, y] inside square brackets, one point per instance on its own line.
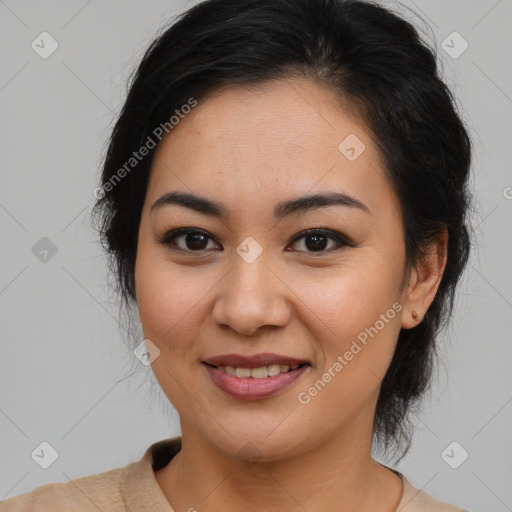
[337, 474]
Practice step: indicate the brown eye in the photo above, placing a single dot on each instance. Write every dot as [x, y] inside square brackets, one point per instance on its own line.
[194, 240]
[317, 240]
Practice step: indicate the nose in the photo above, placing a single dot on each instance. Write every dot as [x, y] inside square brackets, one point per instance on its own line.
[251, 296]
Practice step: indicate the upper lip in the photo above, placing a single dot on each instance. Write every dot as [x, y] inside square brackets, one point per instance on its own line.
[254, 361]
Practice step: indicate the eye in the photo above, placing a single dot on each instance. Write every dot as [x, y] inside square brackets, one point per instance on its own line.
[315, 240]
[196, 240]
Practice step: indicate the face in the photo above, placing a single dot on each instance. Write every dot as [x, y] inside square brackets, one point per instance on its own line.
[245, 277]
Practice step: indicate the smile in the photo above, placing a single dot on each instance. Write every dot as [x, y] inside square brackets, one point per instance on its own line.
[258, 373]
[255, 383]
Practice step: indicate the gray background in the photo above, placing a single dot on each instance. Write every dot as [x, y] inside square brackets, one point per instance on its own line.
[67, 377]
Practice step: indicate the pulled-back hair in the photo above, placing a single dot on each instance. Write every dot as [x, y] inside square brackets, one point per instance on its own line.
[373, 60]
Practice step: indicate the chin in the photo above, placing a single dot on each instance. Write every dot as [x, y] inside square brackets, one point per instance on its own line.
[253, 445]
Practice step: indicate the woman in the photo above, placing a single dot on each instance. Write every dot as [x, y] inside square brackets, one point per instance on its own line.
[284, 198]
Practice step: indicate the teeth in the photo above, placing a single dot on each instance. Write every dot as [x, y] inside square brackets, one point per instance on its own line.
[229, 370]
[273, 369]
[258, 373]
[243, 372]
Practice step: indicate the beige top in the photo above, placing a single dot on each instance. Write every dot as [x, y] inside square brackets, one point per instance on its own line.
[134, 488]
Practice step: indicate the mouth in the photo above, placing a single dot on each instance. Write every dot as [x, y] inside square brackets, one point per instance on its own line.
[255, 377]
[257, 366]
[261, 372]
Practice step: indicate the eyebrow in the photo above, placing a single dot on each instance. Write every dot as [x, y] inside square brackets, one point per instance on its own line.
[281, 210]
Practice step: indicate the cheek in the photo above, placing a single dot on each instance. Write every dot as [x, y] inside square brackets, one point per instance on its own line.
[356, 325]
[356, 312]
[171, 302]
[162, 297]
[352, 298]
[168, 306]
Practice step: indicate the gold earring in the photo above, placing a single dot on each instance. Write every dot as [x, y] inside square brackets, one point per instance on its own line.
[415, 315]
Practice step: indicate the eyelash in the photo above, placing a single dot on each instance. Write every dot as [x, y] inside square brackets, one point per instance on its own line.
[168, 239]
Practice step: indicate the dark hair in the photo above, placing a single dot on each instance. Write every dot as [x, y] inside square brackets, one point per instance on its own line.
[370, 57]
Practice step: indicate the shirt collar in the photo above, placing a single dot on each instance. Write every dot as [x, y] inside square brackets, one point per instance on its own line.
[139, 486]
[141, 491]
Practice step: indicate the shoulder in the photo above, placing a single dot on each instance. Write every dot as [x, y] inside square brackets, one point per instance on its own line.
[417, 500]
[131, 487]
[101, 491]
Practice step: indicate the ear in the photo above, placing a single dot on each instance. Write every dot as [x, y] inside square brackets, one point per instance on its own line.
[424, 281]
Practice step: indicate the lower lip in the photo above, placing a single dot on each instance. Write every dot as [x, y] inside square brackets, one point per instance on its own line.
[248, 388]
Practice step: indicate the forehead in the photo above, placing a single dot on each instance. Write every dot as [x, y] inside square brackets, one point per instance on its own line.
[285, 137]
[296, 114]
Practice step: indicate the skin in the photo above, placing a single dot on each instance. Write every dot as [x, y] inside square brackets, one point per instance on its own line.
[251, 148]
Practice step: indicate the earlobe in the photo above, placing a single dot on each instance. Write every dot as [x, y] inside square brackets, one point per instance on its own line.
[425, 280]
[410, 316]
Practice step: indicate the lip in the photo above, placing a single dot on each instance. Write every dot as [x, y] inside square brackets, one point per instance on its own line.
[247, 388]
[254, 361]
